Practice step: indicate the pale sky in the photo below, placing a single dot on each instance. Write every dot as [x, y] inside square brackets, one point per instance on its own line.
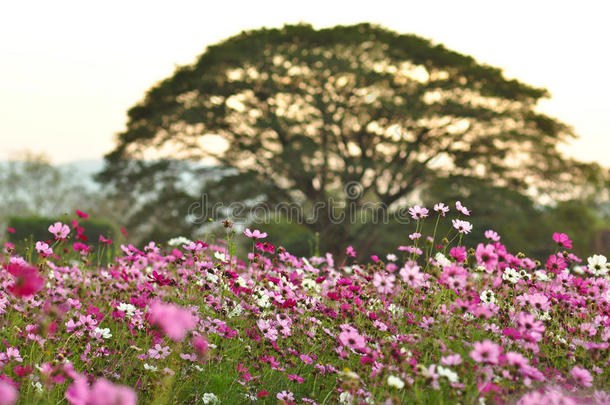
[70, 70]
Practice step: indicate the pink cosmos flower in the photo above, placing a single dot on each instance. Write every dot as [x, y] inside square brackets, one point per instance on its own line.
[82, 248]
[201, 345]
[582, 376]
[458, 253]
[82, 214]
[562, 240]
[441, 208]
[59, 230]
[296, 378]
[418, 212]
[159, 352]
[530, 326]
[492, 235]
[306, 359]
[556, 264]
[539, 301]
[103, 392]
[27, 280]
[268, 329]
[285, 396]
[461, 208]
[10, 230]
[462, 226]
[411, 275]
[352, 339]
[486, 352]
[384, 283]
[175, 321]
[8, 393]
[486, 256]
[516, 359]
[104, 240]
[451, 360]
[12, 353]
[350, 251]
[256, 234]
[44, 249]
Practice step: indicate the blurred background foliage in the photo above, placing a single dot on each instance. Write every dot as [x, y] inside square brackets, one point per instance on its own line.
[293, 115]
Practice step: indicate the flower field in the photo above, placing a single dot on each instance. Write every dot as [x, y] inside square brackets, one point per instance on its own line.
[434, 322]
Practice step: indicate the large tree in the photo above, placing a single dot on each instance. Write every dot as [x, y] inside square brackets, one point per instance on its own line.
[298, 113]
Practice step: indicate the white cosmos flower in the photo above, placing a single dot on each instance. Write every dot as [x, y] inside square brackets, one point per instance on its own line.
[37, 386]
[103, 332]
[209, 398]
[180, 240]
[598, 265]
[447, 373]
[511, 275]
[129, 309]
[396, 382]
[441, 259]
[488, 297]
[346, 398]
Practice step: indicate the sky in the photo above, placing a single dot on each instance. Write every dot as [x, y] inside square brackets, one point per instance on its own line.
[70, 70]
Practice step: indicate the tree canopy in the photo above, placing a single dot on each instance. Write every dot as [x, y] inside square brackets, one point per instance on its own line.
[298, 113]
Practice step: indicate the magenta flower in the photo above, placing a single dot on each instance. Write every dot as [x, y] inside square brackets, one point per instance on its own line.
[582, 376]
[59, 230]
[8, 393]
[81, 247]
[175, 321]
[296, 378]
[27, 280]
[556, 264]
[350, 251]
[82, 214]
[458, 253]
[562, 240]
[256, 234]
[105, 240]
[486, 352]
[201, 345]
